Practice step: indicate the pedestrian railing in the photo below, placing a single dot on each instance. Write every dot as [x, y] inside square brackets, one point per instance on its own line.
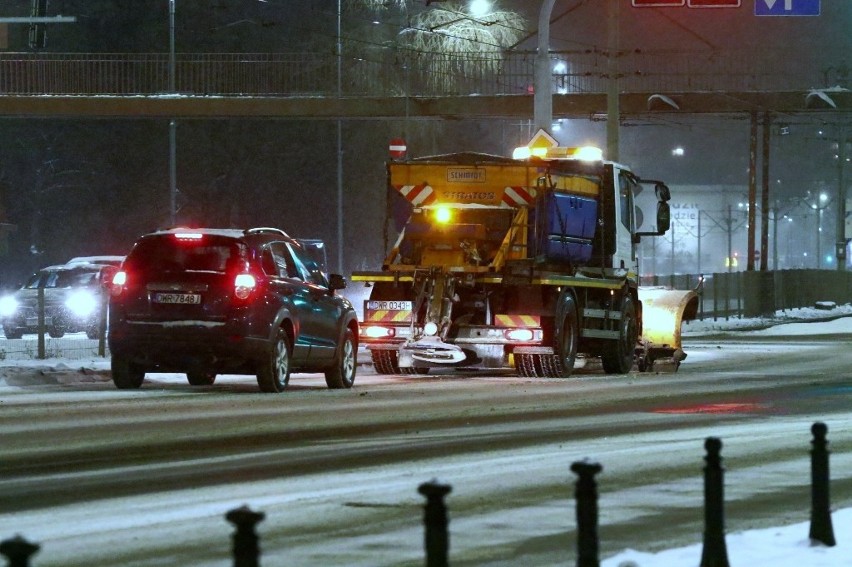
[392, 73]
[246, 548]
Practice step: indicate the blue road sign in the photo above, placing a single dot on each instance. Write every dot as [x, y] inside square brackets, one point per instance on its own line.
[786, 7]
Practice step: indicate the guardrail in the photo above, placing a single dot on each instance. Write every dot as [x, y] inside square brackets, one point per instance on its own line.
[391, 73]
[246, 546]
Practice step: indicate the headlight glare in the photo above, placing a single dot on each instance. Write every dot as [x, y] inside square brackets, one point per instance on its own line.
[81, 303]
[8, 306]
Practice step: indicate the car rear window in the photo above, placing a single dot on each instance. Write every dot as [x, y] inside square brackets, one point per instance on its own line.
[166, 253]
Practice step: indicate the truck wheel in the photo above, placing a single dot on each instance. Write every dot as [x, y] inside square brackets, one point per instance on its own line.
[618, 356]
[342, 373]
[566, 350]
[126, 375]
[525, 365]
[273, 374]
[385, 361]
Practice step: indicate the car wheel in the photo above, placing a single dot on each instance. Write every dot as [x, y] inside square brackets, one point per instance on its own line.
[126, 375]
[201, 378]
[342, 373]
[273, 374]
[13, 332]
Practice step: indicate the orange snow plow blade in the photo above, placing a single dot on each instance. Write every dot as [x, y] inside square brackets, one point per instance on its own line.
[663, 312]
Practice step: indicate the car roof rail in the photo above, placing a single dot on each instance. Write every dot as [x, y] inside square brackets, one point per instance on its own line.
[261, 229]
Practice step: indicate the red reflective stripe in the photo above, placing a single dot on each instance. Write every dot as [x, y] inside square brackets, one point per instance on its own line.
[522, 321]
[414, 192]
[514, 196]
[387, 317]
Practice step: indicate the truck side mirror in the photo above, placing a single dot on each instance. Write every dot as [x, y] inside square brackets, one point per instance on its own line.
[661, 190]
[336, 281]
[664, 217]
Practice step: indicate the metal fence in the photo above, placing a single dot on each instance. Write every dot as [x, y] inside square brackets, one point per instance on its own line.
[44, 339]
[750, 294]
[391, 73]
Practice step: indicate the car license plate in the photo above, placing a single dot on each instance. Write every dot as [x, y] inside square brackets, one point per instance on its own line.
[177, 298]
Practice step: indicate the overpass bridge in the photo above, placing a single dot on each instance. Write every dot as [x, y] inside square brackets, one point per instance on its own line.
[323, 86]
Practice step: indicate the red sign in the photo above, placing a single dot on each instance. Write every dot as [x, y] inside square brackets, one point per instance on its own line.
[657, 3]
[690, 3]
[714, 3]
[397, 148]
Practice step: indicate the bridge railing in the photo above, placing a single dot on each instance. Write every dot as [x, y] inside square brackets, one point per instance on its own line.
[387, 74]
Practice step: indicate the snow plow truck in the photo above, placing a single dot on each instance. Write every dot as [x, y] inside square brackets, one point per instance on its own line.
[527, 262]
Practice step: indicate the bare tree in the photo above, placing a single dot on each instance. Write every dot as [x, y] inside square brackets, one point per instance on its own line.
[447, 45]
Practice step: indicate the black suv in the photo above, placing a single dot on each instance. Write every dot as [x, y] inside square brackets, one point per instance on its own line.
[227, 301]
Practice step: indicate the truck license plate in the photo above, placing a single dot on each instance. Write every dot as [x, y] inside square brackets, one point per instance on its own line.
[389, 306]
[177, 298]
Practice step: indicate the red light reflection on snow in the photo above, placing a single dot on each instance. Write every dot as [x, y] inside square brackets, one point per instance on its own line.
[714, 408]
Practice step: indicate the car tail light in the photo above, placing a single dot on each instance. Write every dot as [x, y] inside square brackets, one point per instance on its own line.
[376, 332]
[244, 284]
[119, 280]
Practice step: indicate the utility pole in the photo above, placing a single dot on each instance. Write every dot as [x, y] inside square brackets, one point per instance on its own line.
[840, 229]
[752, 190]
[764, 210]
[613, 109]
[543, 89]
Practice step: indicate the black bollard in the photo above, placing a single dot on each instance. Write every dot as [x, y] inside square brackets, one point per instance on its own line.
[18, 551]
[246, 547]
[821, 529]
[436, 539]
[715, 552]
[586, 494]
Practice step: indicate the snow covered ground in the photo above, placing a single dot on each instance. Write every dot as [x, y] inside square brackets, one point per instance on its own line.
[800, 321]
[782, 546]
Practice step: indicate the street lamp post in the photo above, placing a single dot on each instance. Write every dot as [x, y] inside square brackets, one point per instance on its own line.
[339, 142]
[821, 203]
[840, 229]
[172, 123]
[542, 94]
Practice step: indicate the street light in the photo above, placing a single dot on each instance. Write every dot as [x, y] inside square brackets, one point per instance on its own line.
[480, 7]
[822, 202]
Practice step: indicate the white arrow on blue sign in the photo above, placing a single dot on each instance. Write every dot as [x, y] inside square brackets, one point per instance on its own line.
[786, 7]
